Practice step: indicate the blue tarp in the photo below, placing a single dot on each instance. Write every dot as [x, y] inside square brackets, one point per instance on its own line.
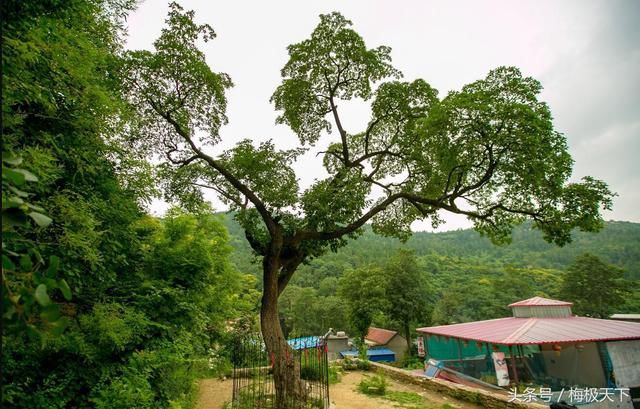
[375, 355]
[304, 343]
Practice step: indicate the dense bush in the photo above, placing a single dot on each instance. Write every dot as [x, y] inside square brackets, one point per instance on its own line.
[103, 306]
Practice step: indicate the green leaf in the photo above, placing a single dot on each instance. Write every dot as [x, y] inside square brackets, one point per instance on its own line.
[11, 159]
[17, 178]
[34, 207]
[51, 313]
[18, 191]
[58, 327]
[35, 253]
[40, 219]
[25, 263]
[41, 295]
[12, 217]
[32, 332]
[7, 264]
[66, 290]
[13, 201]
[28, 176]
[9, 312]
[54, 264]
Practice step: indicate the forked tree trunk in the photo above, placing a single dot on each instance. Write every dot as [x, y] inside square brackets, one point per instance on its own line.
[290, 390]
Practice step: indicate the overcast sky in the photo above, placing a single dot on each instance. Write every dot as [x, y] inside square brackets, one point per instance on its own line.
[585, 53]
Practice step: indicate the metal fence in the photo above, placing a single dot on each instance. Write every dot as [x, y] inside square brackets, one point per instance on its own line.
[253, 381]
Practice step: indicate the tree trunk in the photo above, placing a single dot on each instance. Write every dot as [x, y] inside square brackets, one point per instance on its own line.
[407, 334]
[290, 390]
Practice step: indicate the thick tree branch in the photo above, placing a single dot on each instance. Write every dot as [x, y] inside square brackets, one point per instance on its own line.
[343, 133]
[336, 117]
[235, 182]
[288, 268]
[222, 193]
[255, 244]
[416, 201]
[374, 154]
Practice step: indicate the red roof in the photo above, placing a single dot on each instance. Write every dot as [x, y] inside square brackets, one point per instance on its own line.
[520, 331]
[540, 301]
[380, 336]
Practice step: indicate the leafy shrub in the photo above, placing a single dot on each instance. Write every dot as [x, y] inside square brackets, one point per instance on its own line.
[130, 391]
[363, 364]
[412, 362]
[114, 327]
[335, 374]
[373, 385]
[310, 373]
[351, 364]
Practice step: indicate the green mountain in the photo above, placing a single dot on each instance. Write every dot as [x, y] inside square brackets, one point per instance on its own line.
[469, 277]
[618, 243]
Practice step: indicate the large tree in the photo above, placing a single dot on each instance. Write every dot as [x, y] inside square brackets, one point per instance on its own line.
[595, 287]
[363, 290]
[407, 293]
[488, 152]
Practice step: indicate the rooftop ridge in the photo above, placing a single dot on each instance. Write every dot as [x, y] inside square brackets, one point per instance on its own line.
[540, 302]
[515, 335]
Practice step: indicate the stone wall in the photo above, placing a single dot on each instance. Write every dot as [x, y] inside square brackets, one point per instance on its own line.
[491, 400]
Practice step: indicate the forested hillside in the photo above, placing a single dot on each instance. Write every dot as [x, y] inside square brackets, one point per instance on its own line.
[469, 277]
[618, 243]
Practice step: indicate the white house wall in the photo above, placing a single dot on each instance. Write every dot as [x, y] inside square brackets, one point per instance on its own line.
[625, 357]
[577, 367]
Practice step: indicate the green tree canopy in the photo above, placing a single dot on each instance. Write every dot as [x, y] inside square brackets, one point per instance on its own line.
[596, 288]
[488, 151]
[408, 294]
[363, 289]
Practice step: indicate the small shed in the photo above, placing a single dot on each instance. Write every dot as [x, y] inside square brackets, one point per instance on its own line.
[384, 338]
[336, 343]
[374, 355]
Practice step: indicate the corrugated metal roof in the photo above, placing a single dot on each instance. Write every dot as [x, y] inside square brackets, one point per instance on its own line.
[625, 317]
[522, 331]
[539, 301]
[370, 352]
[380, 336]
[304, 342]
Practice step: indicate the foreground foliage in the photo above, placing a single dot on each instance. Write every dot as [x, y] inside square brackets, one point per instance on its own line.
[103, 306]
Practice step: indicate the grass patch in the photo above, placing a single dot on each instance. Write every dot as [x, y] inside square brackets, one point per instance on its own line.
[404, 397]
[428, 406]
[377, 386]
[373, 385]
[412, 400]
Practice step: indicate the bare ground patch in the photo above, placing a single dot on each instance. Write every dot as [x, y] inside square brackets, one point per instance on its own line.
[345, 395]
[214, 392]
